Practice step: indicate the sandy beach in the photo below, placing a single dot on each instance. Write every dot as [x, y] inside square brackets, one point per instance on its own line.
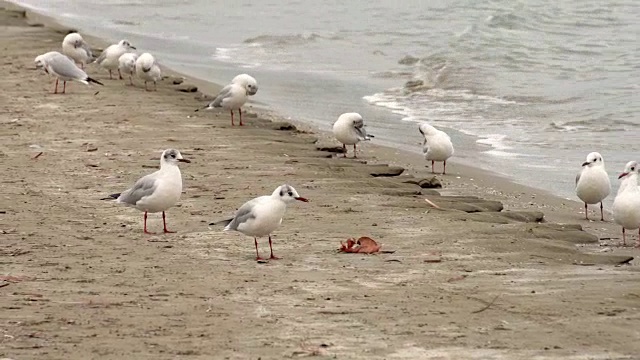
[498, 271]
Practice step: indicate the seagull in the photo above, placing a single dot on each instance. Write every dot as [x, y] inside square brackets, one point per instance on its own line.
[63, 69]
[109, 57]
[232, 97]
[148, 70]
[157, 191]
[77, 49]
[626, 206]
[592, 183]
[247, 81]
[437, 146]
[127, 64]
[349, 130]
[261, 216]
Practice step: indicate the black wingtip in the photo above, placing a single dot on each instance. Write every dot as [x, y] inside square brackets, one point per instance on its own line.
[221, 222]
[371, 136]
[94, 81]
[111, 197]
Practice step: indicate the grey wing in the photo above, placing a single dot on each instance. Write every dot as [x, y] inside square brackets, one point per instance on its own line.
[578, 177]
[145, 186]
[87, 49]
[244, 214]
[65, 67]
[224, 93]
[358, 125]
[103, 55]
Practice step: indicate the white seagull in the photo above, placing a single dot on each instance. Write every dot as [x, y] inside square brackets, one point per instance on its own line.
[77, 49]
[127, 64]
[157, 191]
[110, 56]
[232, 97]
[437, 146]
[148, 70]
[349, 130]
[62, 68]
[592, 183]
[247, 81]
[261, 216]
[626, 206]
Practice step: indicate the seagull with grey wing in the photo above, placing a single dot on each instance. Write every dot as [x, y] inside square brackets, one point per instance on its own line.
[233, 97]
[349, 130]
[158, 191]
[77, 49]
[263, 215]
[63, 68]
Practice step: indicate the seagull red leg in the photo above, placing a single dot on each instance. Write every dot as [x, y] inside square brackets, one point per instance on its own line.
[164, 222]
[444, 167]
[145, 224]
[110, 77]
[64, 87]
[344, 150]
[354, 151]
[271, 248]
[240, 112]
[119, 74]
[601, 212]
[55, 91]
[258, 258]
[624, 238]
[586, 211]
[433, 164]
[232, 123]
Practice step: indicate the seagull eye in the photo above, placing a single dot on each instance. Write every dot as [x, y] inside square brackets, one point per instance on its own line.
[290, 193]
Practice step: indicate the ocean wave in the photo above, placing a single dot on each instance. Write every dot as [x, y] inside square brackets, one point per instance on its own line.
[283, 40]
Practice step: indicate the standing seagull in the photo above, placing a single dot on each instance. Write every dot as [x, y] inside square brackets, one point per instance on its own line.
[626, 206]
[77, 49]
[247, 81]
[157, 191]
[261, 216]
[63, 69]
[148, 70]
[349, 130]
[592, 183]
[109, 57]
[232, 97]
[127, 63]
[437, 146]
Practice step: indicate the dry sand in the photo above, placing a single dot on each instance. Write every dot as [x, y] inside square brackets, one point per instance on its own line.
[81, 280]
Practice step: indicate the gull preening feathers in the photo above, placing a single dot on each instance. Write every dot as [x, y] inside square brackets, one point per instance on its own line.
[247, 81]
[148, 70]
[626, 206]
[77, 49]
[158, 191]
[231, 97]
[261, 216]
[110, 56]
[592, 183]
[127, 64]
[349, 130]
[63, 68]
[437, 146]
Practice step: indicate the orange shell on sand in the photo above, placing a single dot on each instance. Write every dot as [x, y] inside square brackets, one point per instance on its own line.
[366, 245]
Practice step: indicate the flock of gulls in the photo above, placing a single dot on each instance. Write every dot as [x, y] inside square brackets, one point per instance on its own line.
[260, 217]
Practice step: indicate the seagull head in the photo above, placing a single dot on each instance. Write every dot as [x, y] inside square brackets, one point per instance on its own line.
[248, 82]
[126, 44]
[173, 157]
[288, 194]
[594, 159]
[629, 169]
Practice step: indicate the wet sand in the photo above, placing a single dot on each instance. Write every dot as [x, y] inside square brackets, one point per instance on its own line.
[484, 276]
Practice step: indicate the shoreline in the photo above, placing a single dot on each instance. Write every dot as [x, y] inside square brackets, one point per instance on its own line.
[89, 274]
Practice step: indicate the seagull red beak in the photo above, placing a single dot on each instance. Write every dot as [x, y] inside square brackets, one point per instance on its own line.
[622, 175]
[301, 199]
[184, 161]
